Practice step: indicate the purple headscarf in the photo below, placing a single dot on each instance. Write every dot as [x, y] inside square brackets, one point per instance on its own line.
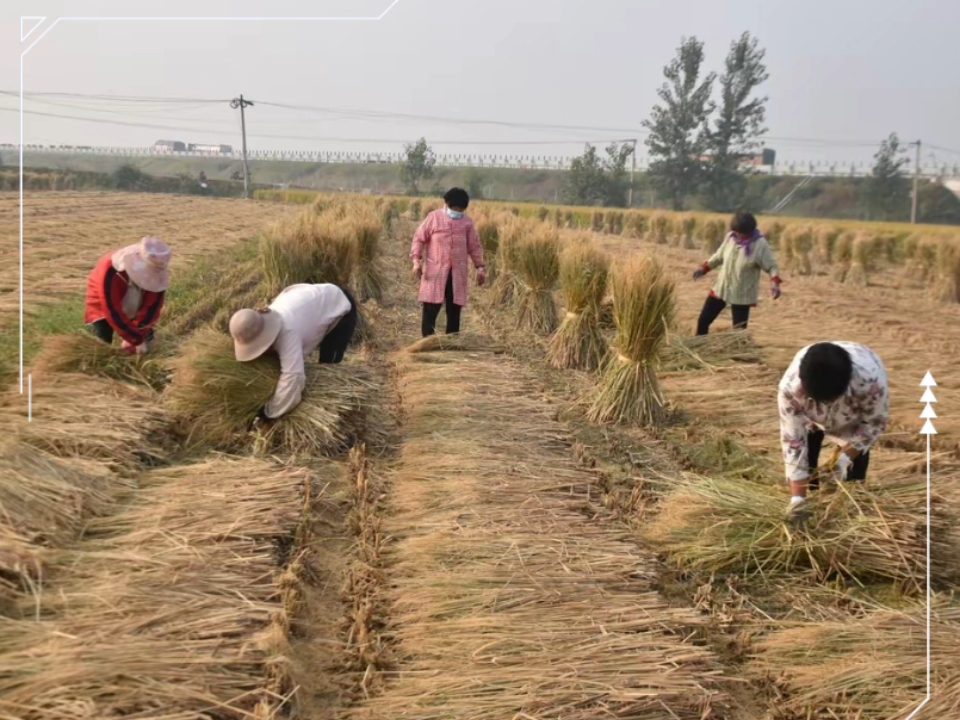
[746, 245]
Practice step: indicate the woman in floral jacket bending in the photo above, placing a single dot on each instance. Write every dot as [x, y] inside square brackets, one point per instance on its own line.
[837, 390]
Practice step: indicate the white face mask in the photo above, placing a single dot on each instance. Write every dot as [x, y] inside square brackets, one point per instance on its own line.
[453, 214]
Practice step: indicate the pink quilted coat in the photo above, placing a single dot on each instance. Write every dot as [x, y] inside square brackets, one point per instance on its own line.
[441, 246]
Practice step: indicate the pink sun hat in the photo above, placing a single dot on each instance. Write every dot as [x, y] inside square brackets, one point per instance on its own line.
[147, 264]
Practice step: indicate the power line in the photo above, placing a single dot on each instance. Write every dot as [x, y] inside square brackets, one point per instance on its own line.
[313, 137]
[117, 98]
[943, 149]
[376, 115]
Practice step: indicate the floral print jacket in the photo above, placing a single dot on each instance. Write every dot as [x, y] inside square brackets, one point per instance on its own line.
[857, 418]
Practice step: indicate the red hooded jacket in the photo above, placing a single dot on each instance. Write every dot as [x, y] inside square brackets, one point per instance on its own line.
[106, 289]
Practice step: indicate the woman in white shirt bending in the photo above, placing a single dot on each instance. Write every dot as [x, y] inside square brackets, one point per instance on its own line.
[300, 320]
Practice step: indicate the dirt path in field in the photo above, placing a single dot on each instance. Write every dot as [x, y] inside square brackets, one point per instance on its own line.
[507, 597]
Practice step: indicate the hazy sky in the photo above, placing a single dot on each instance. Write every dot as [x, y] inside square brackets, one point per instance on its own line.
[844, 72]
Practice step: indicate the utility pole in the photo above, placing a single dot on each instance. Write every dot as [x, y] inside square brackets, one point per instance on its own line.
[633, 169]
[241, 103]
[916, 185]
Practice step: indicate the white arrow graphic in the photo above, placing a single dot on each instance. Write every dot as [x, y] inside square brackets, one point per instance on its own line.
[928, 429]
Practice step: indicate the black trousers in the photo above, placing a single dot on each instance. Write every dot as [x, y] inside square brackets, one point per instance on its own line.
[712, 309]
[432, 310]
[334, 345]
[857, 471]
[101, 328]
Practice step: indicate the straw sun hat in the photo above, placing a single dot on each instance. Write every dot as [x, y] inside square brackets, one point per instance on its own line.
[254, 332]
[147, 264]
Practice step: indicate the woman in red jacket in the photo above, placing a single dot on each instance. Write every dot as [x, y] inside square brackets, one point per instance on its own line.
[125, 293]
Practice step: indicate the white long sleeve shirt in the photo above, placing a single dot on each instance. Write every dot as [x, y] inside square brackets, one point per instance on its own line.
[858, 417]
[309, 313]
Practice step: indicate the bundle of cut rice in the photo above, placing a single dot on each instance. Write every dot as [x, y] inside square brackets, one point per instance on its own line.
[367, 231]
[215, 399]
[83, 353]
[579, 343]
[644, 307]
[876, 533]
[538, 263]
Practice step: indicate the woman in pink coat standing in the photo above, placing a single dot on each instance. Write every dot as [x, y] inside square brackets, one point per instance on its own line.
[443, 244]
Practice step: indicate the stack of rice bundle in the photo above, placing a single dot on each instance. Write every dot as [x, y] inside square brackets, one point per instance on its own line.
[637, 225]
[416, 210]
[488, 229]
[542, 213]
[660, 228]
[596, 221]
[796, 249]
[644, 310]
[613, 222]
[843, 255]
[712, 233]
[826, 238]
[687, 226]
[308, 248]
[367, 231]
[578, 343]
[946, 287]
[863, 256]
[215, 398]
[511, 233]
[773, 232]
[538, 265]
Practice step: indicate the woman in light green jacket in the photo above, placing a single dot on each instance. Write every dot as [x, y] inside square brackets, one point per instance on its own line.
[741, 257]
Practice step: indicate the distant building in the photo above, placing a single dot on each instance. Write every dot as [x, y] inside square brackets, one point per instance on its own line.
[764, 161]
[210, 149]
[169, 146]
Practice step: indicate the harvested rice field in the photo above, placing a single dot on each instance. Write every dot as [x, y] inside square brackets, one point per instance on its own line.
[510, 523]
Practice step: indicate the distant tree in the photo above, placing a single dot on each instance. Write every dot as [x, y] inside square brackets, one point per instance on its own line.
[679, 136]
[475, 182]
[617, 177]
[585, 182]
[418, 166]
[593, 180]
[735, 135]
[888, 191]
[129, 177]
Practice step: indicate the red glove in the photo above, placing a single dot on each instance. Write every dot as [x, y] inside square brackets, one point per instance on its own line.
[775, 288]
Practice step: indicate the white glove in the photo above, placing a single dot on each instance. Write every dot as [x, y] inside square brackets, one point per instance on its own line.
[142, 348]
[843, 467]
